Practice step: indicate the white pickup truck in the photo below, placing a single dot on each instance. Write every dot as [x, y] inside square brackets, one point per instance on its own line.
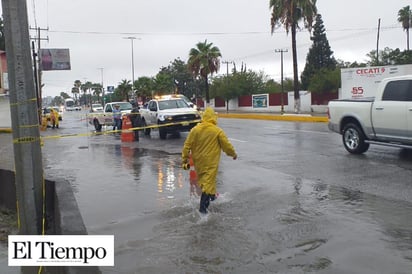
[105, 117]
[385, 119]
[169, 114]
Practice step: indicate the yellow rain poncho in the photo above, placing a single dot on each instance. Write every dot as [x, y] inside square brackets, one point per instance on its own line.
[205, 142]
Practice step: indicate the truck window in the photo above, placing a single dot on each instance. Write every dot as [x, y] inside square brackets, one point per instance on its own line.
[400, 90]
[152, 106]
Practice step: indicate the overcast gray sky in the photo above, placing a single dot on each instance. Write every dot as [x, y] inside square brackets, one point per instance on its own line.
[94, 31]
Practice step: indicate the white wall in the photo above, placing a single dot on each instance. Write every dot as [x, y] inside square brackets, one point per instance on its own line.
[305, 105]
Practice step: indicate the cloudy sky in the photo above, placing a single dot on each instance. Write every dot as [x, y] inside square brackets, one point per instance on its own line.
[95, 32]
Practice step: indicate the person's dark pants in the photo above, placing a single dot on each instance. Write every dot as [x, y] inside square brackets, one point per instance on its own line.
[205, 201]
[136, 122]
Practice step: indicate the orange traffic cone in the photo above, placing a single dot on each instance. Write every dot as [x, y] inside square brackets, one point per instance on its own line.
[194, 188]
[127, 134]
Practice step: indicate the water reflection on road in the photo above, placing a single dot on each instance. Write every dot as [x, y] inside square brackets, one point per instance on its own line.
[264, 221]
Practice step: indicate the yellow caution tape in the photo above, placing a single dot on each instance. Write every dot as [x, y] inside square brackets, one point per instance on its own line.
[118, 131]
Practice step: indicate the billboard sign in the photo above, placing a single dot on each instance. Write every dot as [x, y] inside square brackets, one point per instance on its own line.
[55, 59]
[260, 100]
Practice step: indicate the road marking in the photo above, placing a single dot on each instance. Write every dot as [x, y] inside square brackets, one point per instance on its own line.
[297, 130]
[237, 140]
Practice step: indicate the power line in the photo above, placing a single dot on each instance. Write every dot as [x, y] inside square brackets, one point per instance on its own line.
[213, 33]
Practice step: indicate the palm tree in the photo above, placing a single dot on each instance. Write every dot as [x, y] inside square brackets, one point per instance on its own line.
[404, 17]
[85, 88]
[124, 87]
[97, 90]
[76, 89]
[204, 60]
[288, 13]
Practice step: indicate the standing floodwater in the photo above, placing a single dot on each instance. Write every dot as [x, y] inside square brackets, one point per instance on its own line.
[292, 203]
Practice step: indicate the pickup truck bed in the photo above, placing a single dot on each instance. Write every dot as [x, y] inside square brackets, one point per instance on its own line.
[384, 120]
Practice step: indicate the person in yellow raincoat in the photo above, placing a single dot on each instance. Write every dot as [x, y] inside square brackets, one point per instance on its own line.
[205, 142]
[54, 118]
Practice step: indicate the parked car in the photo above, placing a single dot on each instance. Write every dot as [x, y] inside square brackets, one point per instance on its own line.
[97, 108]
[381, 120]
[46, 112]
[105, 117]
[170, 113]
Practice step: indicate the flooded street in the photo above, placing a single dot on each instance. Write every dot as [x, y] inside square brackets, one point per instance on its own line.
[293, 202]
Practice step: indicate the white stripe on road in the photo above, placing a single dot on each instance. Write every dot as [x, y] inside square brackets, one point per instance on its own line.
[237, 140]
[298, 130]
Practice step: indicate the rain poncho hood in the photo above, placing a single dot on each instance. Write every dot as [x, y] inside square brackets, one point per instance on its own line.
[205, 142]
[209, 116]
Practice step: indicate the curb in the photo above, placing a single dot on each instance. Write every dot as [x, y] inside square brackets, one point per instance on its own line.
[285, 117]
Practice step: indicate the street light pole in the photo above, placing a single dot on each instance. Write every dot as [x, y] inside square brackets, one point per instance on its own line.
[131, 38]
[282, 110]
[101, 72]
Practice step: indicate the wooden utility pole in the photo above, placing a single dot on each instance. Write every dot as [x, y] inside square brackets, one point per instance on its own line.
[377, 43]
[227, 66]
[24, 119]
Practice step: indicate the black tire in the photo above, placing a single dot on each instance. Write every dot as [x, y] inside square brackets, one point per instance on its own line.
[353, 139]
[146, 130]
[162, 133]
[97, 126]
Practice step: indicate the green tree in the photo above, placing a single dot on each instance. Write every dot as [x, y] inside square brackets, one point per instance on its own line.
[144, 86]
[404, 17]
[224, 87]
[271, 86]
[288, 13]
[204, 60]
[325, 80]
[344, 64]
[163, 83]
[238, 83]
[64, 95]
[389, 56]
[58, 100]
[97, 90]
[86, 87]
[320, 56]
[181, 76]
[123, 89]
[76, 89]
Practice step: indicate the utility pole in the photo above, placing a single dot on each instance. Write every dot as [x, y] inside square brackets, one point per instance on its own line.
[377, 42]
[101, 73]
[37, 64]
[282, 110]
[227, 80]
[227, 66]
[25, 124]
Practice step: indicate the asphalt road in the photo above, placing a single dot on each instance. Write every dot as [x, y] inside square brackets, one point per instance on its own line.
[294, 202]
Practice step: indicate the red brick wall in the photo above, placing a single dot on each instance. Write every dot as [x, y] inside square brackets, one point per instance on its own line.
[275, 99]
[219, 102]
[323, 99]
[245, 101]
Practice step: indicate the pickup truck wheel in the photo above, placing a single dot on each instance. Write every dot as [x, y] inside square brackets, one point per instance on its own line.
[162, 133]
[146, 130]
[354, 139]
[97, 126]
